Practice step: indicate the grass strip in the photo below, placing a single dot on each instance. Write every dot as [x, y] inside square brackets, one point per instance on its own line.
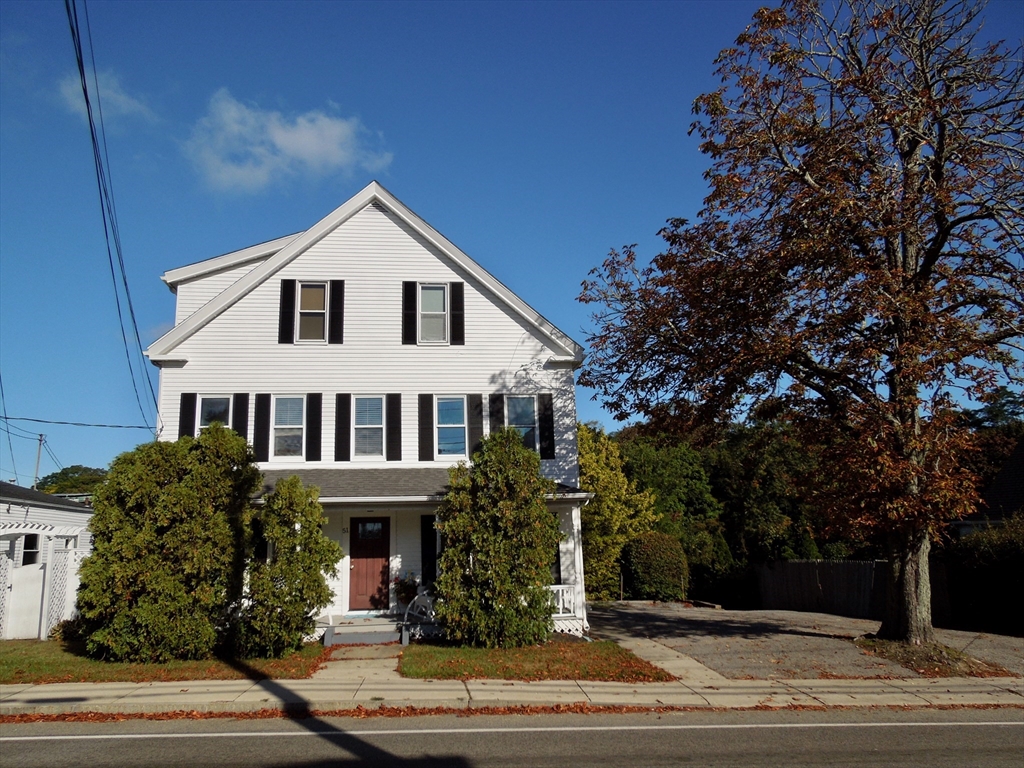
[37, 661]
[558, 659]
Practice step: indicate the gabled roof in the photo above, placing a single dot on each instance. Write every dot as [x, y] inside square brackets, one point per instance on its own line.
[291, 247]
[15, 494]
[175, 277]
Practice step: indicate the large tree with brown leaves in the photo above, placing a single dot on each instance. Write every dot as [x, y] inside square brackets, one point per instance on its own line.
[857, 261]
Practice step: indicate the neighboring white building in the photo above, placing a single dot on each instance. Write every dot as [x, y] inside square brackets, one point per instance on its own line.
[43, 539]
[367, 355]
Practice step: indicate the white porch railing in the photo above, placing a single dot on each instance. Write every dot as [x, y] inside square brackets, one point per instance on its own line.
[563, 599]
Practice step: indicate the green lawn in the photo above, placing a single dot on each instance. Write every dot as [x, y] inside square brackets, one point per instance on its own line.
[559, 659]
[36, 661]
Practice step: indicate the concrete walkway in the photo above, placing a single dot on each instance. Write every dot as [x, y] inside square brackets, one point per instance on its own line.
[367, 677]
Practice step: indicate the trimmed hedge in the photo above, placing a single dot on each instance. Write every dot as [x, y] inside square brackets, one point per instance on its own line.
[655, 567]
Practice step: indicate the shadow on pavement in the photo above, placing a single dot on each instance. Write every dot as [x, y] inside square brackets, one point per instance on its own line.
[659, 621]
[359, 751]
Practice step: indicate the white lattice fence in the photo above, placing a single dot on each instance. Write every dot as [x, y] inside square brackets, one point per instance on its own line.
[57, 584]
[5, 592]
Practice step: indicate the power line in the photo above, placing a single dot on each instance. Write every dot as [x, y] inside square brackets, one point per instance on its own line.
[76, 423]
[107, 211]
[49, 452]
[10, 445]
[34, 436]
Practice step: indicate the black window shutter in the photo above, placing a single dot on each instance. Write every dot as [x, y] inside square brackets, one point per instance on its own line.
[409, 312]
[546, 417]
[187, 415]
[286, 321]
[496, 411]
[240, 414]
[426, 421]
[314, 425]
[458, 300]
[428, 549]
[343, 428]
[393, 403]
[261, 428]
[336, 322]
[476, 422]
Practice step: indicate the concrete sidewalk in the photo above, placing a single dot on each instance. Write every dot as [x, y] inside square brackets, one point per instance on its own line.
[367, 677]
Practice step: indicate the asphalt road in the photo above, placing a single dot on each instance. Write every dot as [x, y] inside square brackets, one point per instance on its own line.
[927, 738]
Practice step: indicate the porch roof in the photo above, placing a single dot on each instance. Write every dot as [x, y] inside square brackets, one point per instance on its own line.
[363, 485]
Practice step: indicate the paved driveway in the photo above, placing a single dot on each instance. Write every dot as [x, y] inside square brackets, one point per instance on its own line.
[765, 645]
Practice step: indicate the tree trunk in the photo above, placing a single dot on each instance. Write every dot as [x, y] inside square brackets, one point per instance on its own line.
[908, 604]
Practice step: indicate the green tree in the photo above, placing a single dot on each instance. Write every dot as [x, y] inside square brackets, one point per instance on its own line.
[760, 472]
[169, 536]
[73, 479]
[674, 472]
[287, 589]
[617, 513]
[500, 539]
[859, 257]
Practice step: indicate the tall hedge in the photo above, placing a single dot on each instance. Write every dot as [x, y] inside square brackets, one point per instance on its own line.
[655, 567]
[617, 513]
[286, 588]
[173, 575]
[169, 527]
[500, 540]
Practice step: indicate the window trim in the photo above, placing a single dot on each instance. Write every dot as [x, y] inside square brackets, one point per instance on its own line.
[382, 427]
[326, 311]
[438, 456]
[274, 427]
[446, 341]
[199, 426]
[536, 417]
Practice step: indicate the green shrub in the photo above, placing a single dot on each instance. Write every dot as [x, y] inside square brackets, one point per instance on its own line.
[500, 540]
[287, 590]
[167, 565]
[655, 567]
[985, 575]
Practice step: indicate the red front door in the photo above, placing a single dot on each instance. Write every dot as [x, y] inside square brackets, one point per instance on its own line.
[370, 542]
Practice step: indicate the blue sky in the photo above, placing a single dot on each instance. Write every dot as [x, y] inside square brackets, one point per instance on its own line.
[536, 136]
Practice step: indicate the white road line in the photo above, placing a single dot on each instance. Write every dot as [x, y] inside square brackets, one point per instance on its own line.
[524, 729]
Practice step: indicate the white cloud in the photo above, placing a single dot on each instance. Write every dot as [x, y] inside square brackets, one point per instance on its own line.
[113, 99]
[245, 148]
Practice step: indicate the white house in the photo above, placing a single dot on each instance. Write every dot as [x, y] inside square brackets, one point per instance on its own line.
[367, 355]
[43, 539]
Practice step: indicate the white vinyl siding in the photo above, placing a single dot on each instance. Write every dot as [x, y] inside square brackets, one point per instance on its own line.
[193, 294]
[373, 252]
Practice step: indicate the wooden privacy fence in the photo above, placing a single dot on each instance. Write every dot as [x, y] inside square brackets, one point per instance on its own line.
[853, 588]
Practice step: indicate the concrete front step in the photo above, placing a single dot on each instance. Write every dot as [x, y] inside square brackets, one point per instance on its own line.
[363, 631]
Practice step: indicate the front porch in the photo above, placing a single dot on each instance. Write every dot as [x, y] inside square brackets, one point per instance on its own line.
[366, 628]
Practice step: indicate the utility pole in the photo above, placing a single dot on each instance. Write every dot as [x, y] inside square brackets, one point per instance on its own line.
[39, 452]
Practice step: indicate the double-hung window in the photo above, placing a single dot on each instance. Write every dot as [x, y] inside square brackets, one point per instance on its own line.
[312, 312]
[214, 408]
[451, 426]
[288, 425]
[522, 416]
[433, 313]
[368, 426]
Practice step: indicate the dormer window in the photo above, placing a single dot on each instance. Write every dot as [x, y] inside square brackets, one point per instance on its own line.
[433, 313]
[312, 312]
